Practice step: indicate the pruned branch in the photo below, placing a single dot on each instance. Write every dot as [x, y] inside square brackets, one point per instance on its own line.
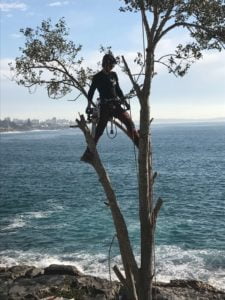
[155, 211]
[135, 85]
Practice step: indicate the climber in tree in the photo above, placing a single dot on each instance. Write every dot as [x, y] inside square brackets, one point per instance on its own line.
[111, 100]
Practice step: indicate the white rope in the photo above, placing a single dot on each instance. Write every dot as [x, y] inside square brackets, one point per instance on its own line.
[109, 258]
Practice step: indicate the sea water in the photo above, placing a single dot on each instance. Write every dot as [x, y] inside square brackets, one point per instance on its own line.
[52, 207]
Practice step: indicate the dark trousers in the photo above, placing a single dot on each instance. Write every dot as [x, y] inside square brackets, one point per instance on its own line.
[114, 109]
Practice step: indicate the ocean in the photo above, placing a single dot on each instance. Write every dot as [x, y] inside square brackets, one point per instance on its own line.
[52, 207]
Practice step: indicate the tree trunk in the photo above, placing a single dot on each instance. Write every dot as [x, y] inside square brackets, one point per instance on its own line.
[128, 259]
[145, 287]
[145, 187]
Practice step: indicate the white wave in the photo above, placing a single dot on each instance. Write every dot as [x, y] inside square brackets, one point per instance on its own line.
[172, 262]
[22, 220]
[67, 130]
[29, 131]
[16, 223]
[11, 132]
[37, 214]
[10, 258]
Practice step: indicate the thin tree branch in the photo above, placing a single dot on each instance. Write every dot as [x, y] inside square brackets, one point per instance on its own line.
[185, 24]
[40, 82]
[162, 57]
[167, 66]
[73, 78]
[145, 21]
[154, 25]
[135, 85]
[164, 20]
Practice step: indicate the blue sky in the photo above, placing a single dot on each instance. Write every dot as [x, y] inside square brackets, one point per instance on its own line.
[199, 95]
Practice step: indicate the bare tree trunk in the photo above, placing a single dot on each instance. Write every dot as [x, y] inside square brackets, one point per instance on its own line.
[144, 207]
[128, 259]
[145, 187]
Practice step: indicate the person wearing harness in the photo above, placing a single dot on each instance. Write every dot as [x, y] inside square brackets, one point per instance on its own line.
[111, 98]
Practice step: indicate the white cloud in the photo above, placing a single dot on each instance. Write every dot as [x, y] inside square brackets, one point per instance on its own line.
[212, 64]
[6, 7]
[58, 3]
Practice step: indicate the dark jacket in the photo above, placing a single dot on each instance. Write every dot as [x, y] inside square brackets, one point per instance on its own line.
[107, 86]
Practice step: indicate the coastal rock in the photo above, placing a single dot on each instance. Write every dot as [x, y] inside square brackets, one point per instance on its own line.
[19, 271]
[62, 269]
[60, 282]
[187, 290]
[39, 287]
[53, 282]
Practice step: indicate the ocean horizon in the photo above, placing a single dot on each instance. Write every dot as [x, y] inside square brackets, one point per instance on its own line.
[52, 207]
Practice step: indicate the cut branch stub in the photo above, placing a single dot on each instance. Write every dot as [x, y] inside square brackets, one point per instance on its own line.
[156, 210]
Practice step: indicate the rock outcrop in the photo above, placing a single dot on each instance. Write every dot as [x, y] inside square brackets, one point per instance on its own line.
[66, 282]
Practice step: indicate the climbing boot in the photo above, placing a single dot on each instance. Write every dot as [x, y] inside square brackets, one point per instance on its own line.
[87, 156]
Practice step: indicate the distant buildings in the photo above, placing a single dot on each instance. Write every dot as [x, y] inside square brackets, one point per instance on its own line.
[21, 125]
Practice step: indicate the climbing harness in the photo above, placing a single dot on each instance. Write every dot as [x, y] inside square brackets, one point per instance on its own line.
[93, 114]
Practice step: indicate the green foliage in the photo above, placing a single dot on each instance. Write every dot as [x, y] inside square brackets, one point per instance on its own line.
[204, 20]
[48, 59]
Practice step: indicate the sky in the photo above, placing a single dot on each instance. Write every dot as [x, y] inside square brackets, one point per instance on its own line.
[198, 95]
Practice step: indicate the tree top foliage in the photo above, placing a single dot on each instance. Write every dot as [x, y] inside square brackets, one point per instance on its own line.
[204, 20]
[49, 59]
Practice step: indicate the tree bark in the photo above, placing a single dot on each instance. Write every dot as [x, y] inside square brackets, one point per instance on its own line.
[128, 259]
[144, 208]
[145, 187]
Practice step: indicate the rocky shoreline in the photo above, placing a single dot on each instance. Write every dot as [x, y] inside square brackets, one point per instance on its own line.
[67, 282]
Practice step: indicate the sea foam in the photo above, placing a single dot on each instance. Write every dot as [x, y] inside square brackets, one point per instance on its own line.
[172, 262]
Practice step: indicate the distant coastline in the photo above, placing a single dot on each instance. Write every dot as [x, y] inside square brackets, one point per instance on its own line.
[18, 125]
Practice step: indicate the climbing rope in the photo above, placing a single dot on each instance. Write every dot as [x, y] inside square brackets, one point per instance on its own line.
[153, 237]
[109, 258]
[143, 36]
